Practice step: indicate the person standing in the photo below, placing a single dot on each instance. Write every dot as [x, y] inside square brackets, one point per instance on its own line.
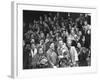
[52, 56]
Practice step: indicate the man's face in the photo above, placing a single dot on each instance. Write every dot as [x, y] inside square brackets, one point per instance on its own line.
[61, 43]
[40, 51]
[33, 46]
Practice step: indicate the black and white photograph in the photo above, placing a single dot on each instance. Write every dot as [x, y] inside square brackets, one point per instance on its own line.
[52, 40]
[56, 39]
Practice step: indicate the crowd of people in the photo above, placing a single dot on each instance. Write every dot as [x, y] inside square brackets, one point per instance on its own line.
[54, 41]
